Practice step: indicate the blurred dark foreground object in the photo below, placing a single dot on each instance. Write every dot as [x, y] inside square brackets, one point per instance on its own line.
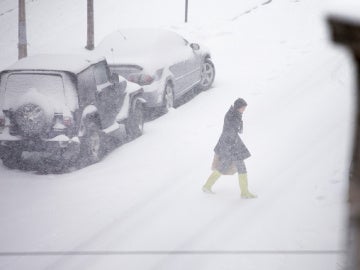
[346, 30]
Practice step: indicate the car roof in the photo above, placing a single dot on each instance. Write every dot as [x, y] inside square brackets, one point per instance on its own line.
[55, 62]
[145, 47]
[136, 39]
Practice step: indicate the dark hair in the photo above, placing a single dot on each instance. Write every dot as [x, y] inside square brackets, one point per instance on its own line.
[239, 103]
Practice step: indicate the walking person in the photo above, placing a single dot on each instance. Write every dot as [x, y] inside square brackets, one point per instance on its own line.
[230, 151]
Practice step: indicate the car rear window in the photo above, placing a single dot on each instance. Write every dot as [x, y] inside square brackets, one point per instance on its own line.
[19, 84]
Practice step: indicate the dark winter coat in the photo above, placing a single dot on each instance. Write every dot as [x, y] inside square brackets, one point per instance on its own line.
[230, 147]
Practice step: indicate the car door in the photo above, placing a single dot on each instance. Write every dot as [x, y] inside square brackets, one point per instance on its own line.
[194, 66]
[108, 97]
[186, 72]
[179, 71]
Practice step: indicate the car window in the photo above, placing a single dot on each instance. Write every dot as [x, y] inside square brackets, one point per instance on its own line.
[101, 74]
[86, 87]
[19, 84]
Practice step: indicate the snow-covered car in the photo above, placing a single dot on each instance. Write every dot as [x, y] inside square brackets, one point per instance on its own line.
[65, 107]
[164, 63]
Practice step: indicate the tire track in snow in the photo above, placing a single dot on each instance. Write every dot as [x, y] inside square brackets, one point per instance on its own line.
[260, 205]
[250, 10]
[14, 9]
[317, 141]
[139, 215]
[5, 12]
[134, 212]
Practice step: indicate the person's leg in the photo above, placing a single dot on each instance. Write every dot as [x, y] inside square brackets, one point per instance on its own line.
[243, 183]
[243, 180]
[214, 176]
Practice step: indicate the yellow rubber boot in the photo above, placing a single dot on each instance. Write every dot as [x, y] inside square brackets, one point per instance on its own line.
[243, 183]
[211, 181]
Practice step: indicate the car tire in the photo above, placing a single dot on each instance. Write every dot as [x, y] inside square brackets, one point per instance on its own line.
[134, 125]
[12, 159]
[31, 119]
[91, 145]
[65, 159]
[207, 74]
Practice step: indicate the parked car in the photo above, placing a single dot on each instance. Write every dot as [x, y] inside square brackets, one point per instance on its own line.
[65, 107]
[165, 64]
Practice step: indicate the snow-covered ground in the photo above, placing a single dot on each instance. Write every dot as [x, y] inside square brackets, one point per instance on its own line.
[143, 203]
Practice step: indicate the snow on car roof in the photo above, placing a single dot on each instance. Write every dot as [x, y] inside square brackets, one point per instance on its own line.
[142, 37]
[71, 63]
[147, 47]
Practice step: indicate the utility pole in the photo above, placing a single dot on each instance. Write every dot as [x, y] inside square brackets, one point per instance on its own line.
[22, 45]
[90, 25]
[186, 10]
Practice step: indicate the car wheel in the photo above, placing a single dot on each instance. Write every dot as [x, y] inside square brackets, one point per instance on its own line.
[91, 147]
[31, 119]
[135, 123]
[63, 160]
[12, 159]
[168, 99]
[207, 74]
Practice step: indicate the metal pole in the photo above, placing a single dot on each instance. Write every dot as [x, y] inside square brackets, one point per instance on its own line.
[22, 45]
[186, 11]
[90, 25]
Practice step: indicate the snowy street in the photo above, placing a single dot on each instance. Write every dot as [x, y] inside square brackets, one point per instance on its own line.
[142, 206]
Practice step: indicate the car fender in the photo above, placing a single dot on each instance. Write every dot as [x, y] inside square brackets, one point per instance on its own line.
[204, 51]
[134, 91]
[127, 104]
[138, 98]
[169, 78]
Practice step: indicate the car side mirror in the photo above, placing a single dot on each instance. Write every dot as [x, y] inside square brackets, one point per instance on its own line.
[195, 46]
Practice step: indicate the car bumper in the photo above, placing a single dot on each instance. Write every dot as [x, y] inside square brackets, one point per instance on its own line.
[58, 148]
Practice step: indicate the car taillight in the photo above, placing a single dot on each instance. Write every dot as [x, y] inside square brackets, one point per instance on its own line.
[134, 78]
[67, 121]
[146, 79]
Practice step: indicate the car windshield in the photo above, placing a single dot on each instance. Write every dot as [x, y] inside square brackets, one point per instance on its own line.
[21, 84]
